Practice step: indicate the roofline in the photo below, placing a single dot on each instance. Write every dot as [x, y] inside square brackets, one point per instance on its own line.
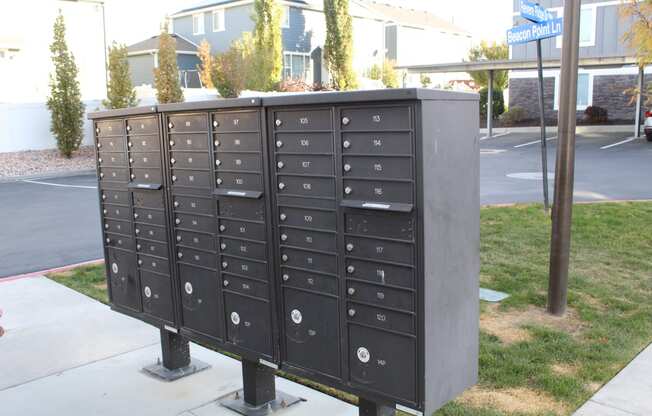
[153, 51]
[205, 9]
[186, 39]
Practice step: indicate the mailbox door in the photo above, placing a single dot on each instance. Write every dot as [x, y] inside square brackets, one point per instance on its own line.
[201, 306]
[124, 280]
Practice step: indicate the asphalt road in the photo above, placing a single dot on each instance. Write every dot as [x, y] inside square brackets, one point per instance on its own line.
[55, 222]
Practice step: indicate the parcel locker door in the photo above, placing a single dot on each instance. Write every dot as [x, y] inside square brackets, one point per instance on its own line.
[312, 332]
[200, 301]
[157, 296]
[123, 278]
[248, 323]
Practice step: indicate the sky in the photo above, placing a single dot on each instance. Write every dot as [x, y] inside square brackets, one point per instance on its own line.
[130, 21]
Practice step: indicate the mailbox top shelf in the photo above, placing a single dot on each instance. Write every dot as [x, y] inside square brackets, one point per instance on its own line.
[211, 104]
[123, 112]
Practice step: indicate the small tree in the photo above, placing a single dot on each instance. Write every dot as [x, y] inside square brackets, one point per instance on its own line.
[489, 52]
[120, 91]
[639, 37]
[425, 80]
[375, 72]
[338, 48]
[233, 70]
[268, 45]
[206, 67]
[166, 75]
[64, 101]
[390, 76]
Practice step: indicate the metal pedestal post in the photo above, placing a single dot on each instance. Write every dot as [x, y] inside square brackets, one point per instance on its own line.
[369, 408]
[176, 362]
[258, 396]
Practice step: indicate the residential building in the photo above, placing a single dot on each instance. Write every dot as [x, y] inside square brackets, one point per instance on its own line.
[379, 30]
[601, 36]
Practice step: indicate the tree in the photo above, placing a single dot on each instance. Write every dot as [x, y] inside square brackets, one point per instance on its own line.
[338, 48]
[489, 52]
[233, 70]
[375, 72]
[390, 76]
[166, 75]
[639, 37]
[268, 45]
[120, 91]
[425, 80]
[64, 102]
[206, 67]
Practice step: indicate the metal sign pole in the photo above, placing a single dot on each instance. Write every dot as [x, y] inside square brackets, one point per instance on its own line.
[565, 167]
[544, 144]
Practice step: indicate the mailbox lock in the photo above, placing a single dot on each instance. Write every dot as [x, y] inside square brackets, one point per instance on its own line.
[223, 246]
[131, 160]
[346, 144]
[171, 143]
[105, 211]
[97, 130]
[217, 143]
[351, 313]
[222, 228]
[347, 168]
[106, 226]
[296, 316]
[103, 196]
[283, 217]
[99, 160]
[363, 355]
[133, 176]
[216, 123]
[176, 204]
[286, 277]
[178, 238]
[188, 288]
[140, 262]
[180, 255]
[284, 237]
[346, 121]
[129, 144]
[225, 265]
[170, 125]
[219, 181]
[148, 292]
[226, 283]
[99, 145]
[281, 186]
[108, 240]
[350, 269]
[351, 291]
[174, 178]
[349, 247]
[138, 247]
[235, 318]
[137, 231]
[280, 165]
[284, 257]
[101, 175]
[279, 144]
[348, 190]
[173, 161]
[278, 123]
[218, 162]
[177, 221]
[128, 128]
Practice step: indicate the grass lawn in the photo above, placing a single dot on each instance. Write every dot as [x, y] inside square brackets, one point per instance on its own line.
[532, 363]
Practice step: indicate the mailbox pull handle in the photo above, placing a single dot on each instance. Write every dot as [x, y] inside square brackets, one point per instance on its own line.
[377, 206]
[238, 193]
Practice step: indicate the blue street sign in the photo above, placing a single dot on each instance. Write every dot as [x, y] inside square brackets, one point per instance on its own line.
[534, 13]
[535, 31]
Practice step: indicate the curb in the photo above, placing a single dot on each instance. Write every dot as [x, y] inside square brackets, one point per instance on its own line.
[617, 128]
[596, 202]
[54, 270]
[49, 175]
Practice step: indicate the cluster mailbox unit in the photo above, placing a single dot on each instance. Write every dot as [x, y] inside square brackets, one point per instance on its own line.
[334, 236]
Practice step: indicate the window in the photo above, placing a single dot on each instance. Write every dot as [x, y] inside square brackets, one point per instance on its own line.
[296, 66]
[588, 21]
[198, 24]
[285, 16]
[584, 91]
[218, 20]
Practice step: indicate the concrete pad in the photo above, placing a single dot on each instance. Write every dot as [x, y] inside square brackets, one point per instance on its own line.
[595, 409]
[50, 328]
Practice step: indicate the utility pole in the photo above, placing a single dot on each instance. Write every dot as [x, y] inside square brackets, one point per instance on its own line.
[565, 167]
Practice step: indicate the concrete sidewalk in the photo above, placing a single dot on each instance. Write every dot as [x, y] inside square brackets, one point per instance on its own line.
[627, 394]
[64, 353]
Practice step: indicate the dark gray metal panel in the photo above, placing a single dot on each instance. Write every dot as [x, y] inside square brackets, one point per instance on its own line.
[451, 247]
[396, 94]
[209, 105]
[122, 112]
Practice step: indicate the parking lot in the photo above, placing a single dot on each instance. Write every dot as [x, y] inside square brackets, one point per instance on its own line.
[55, 222]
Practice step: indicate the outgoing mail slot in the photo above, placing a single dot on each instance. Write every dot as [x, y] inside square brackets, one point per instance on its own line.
[236, 121]
[397, 226]
[300, 217]
[119, 241]
[297, 120]
[149, 216]
[124, 279]
[302, 279]
[200, 300]
[146, 176]
[111, 144]
[376, 118]
[193, 204]
[244, 286]
[191, 178]
[152, 248]
[187, 123]
[251, 162]
[243, 248]
[313, 240]
[119, 175]
[248, 323]
[195, 240]
[379, 143]
[237, 142]
[305, 165]
[148, 199]
[383, 362]
[197, 141]
[381, 296]
[111, 196]
[116, 212]
[304, 143]
[242, 229]
[306, 186]
[380, 273]
[380, 318]
[310, 260]
[189, 160]
[144, 144]
[157, 296]
[378, 167]
[153, 264]
[243, 267]
[146, 125]
[194, 223]
[112, 159]
[117, 226]
[246, 209]
[109, 128]
[312, 338]
[380, 250]
[145, 160]
[240, 181]
[196, 258]
[151, 232]
[378, 191]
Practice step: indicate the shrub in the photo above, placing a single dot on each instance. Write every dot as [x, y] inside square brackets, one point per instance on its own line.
[206, 67]
[166, 75]
[498, 104]
[294, 85]
[375, 72]
[595, 115]
[338, 48]
[232, 70]
[513, 116]
[390, 76]
[120, 91]
[267, 42]
[425, 80]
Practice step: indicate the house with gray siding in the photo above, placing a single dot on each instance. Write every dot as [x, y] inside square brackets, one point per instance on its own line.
[601, 35]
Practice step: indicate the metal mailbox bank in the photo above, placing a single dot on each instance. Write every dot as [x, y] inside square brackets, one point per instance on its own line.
[334, 236]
